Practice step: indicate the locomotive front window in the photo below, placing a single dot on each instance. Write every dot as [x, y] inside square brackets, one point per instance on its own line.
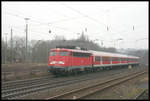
[63, 53]
[53, 53]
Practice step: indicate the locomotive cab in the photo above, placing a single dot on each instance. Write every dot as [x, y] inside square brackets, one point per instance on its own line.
[59, 59]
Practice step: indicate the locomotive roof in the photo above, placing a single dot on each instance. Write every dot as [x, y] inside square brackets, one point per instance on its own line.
[108, 54]
[98, 53]
[74, 50]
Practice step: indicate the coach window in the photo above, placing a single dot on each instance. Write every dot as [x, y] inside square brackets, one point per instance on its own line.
[63, 53]
[127, 59]
[97, 58]
[122, 59]
[113, 59]
[75, 54]
[106, 59]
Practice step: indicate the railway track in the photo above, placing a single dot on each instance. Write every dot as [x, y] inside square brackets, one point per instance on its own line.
[30, 86]
[23, 83]
[27, 82]
[83, 92]
[20, 83]
[22, 91]
[34, 86]
[142, 95]
[24, 80]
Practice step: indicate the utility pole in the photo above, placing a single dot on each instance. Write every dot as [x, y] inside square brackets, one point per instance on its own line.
[118, 40]
[85, 29]
[6, 48]
[11, 46]
[133, 27]
[26, 53]
[102, 43]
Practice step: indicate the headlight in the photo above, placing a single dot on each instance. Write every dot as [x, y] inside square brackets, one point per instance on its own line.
[53, 62]
[61, 62]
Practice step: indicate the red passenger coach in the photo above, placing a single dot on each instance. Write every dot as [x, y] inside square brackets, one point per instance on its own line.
[64, 60]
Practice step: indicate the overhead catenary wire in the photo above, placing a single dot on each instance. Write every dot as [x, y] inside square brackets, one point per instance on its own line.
[67, 19]
[54, 22]
[31, 16]
[37, 33]
[46, 24]
[42, 23]
[89, 17]
[79, 13]
[22, 31]
[49, 24]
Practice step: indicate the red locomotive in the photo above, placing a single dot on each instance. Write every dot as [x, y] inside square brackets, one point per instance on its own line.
[64, 60]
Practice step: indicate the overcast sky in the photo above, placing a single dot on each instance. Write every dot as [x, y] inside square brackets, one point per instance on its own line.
[125, 20]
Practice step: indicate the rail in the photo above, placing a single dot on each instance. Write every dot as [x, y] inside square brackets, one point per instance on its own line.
[85, 91]
[139, 95]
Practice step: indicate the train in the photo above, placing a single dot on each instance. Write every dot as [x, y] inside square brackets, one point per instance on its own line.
[73, 59]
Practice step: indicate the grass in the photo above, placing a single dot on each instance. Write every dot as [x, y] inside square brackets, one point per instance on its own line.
[17, 71]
